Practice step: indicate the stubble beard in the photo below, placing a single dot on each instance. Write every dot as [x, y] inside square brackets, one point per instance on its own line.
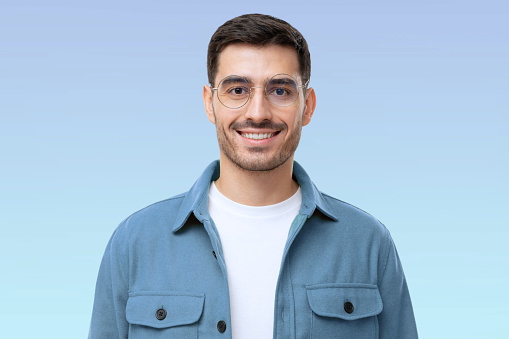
[257, 161]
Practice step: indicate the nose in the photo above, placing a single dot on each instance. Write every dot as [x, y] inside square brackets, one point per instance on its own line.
[258, 107]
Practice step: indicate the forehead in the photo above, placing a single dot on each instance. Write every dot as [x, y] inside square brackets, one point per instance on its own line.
[257, 63]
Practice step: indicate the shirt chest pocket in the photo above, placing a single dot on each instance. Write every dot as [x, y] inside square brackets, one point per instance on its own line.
[163, 315]
[344, 310]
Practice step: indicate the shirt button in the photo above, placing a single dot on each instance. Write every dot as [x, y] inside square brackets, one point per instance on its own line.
[348, 307]
[161, 314]
[221, 326]
[214, 253]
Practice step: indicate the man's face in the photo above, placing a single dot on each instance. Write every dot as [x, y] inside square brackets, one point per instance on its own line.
[276, 129]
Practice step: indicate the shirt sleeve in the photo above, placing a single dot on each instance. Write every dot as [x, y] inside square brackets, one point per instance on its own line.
[111, 293]
[396, 321]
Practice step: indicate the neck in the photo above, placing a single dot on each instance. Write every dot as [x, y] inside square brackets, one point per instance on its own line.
[256, 188]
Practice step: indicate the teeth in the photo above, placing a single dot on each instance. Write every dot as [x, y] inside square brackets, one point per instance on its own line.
[257, 136]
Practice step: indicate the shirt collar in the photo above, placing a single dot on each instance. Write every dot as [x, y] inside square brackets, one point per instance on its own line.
[196, 200]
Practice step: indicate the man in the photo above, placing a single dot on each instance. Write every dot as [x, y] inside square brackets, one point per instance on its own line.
[253, 250]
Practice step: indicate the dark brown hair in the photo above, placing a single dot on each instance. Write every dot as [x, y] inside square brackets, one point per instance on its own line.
[260, 30]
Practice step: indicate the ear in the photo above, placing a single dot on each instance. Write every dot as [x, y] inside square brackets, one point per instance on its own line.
[310, 106]
[207, 102]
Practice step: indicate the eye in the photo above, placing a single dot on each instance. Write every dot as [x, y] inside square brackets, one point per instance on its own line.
[238, 90]
[279, 91]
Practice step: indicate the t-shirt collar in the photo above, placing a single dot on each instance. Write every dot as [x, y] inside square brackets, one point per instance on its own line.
[196, 200]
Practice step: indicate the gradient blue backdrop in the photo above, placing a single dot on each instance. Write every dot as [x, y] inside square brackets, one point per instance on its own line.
[101, 114]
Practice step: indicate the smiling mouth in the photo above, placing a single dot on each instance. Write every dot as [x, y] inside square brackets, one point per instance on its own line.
[258, 136]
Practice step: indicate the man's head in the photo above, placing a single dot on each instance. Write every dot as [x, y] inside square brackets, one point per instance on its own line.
[257, 30]
[256, 62]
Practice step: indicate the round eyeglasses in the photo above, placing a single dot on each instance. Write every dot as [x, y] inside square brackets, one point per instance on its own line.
[234, 91]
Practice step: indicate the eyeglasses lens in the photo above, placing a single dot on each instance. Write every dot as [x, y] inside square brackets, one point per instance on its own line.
[282, 90]
[233, 91]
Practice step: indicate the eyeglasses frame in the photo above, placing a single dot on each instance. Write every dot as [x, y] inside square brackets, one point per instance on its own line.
[265, 90]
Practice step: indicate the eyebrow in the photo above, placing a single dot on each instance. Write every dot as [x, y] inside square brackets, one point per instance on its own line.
[283, 81]
[237, 79]
[233, 80]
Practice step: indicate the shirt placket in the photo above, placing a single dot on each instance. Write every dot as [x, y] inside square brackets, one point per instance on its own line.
[284, 303]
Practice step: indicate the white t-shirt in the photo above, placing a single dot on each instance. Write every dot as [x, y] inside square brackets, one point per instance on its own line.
[253, 240]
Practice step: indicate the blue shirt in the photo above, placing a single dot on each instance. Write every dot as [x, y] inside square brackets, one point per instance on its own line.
[163, 273]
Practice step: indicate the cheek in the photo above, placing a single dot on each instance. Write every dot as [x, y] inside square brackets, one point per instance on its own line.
[224, 122]
[298, 115]
[293, 122]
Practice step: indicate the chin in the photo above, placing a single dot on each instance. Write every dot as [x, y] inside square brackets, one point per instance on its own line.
[258, 164]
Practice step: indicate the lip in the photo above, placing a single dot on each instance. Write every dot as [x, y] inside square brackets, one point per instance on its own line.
[258, 142]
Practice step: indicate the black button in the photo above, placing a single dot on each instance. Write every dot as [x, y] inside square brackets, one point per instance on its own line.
[221, 326]
[161, 314]
[214, 253]
[348, 307]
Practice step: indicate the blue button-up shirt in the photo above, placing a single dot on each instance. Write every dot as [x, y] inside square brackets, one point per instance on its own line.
[340, 274]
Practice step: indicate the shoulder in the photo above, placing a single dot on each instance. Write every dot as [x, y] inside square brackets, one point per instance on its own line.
[355, 219]
[358, 230]
[150, 220]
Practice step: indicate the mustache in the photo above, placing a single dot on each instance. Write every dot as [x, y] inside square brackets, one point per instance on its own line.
[261, 125]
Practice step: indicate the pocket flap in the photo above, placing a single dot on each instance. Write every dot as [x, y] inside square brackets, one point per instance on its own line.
[180, 308]
[328, 300]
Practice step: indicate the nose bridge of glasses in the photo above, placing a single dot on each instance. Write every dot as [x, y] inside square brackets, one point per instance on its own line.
[251, 91]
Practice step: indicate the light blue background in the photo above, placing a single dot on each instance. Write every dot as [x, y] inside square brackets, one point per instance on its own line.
[101, 114]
